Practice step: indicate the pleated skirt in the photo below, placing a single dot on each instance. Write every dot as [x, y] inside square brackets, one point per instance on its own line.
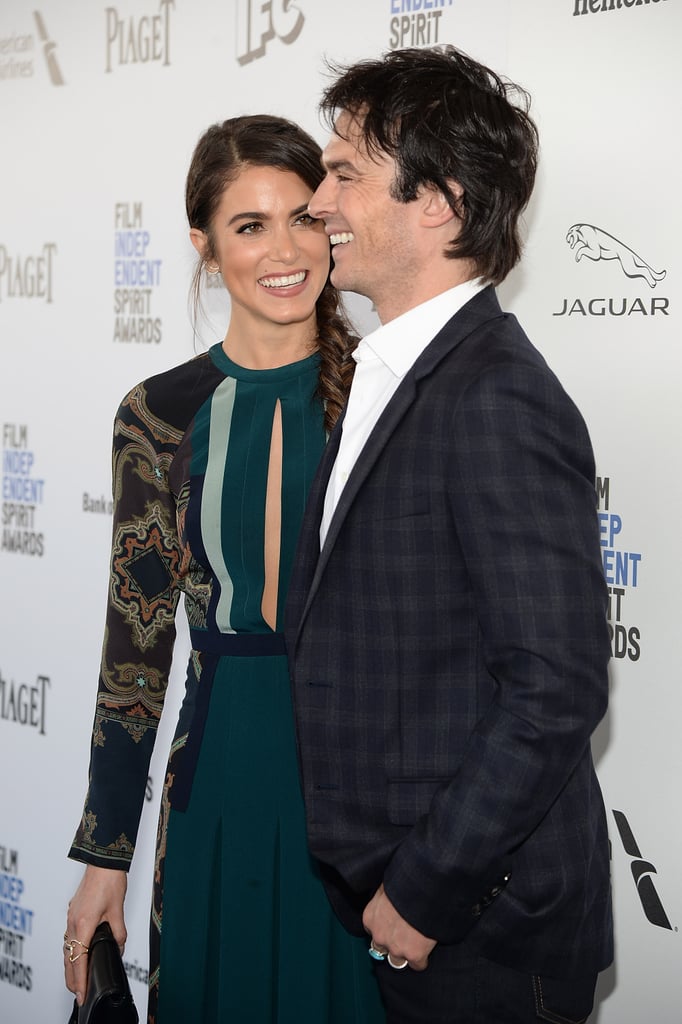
[247, 934]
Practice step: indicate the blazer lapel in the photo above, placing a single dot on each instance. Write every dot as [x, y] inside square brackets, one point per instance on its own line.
[308, 553]
[377, 440]
[483, 307]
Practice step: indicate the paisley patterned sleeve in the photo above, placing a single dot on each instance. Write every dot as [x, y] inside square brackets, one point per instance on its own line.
[144, 587]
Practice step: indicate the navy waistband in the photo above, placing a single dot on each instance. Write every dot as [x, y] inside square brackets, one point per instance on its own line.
[245, 645]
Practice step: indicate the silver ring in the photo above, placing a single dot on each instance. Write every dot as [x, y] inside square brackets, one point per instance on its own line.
[397, 967]
[375, 953]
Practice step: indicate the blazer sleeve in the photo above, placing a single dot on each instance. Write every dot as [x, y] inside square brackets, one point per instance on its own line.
[521, 492]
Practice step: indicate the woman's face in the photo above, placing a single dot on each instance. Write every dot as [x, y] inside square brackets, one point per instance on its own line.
[273, 257]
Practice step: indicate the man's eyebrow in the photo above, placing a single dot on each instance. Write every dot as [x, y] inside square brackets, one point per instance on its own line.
[339, 165]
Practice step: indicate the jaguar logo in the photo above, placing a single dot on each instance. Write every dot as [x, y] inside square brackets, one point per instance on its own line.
[594, 243]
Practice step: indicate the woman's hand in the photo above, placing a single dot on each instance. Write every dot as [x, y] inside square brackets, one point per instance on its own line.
[99, 897]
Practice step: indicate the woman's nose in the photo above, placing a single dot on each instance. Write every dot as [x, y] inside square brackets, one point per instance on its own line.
[285, 246]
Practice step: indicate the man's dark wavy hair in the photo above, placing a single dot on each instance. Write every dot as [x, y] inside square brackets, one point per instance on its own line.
[444, 117]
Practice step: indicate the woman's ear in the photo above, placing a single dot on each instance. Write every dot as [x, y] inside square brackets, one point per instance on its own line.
[199, 241]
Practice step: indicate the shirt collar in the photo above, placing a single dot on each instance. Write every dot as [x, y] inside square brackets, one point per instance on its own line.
[400, 342]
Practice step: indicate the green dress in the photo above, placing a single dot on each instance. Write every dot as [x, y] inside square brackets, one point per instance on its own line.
[241, 931]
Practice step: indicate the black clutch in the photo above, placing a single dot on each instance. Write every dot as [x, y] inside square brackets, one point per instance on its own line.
[108, 999]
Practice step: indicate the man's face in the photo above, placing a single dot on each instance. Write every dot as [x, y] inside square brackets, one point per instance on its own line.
[373, 235]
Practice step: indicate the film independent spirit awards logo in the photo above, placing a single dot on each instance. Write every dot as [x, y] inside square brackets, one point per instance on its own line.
[587, 241]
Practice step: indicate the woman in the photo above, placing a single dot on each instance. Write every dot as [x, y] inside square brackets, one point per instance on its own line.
[212, 463]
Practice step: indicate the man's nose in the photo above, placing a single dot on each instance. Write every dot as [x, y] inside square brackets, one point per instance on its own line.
[321, 203]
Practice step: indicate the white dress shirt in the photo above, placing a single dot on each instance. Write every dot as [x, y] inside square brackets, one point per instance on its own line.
[383, 358]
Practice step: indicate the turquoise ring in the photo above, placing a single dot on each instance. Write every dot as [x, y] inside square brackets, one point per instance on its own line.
[375, 953]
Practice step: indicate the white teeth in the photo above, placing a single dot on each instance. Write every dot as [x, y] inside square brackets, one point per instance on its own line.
[282, 282]
[344, 236]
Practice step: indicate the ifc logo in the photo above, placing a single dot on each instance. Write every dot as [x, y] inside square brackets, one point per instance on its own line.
[258, 23]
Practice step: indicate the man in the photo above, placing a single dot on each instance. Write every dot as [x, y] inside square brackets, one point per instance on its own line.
[447, 620]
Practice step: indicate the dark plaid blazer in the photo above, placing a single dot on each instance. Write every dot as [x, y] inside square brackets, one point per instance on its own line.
[449, 654]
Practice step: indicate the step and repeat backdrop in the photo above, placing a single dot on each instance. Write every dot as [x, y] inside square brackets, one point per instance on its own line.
[100, 108]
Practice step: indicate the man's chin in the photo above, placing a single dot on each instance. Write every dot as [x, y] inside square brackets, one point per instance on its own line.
[338, 279]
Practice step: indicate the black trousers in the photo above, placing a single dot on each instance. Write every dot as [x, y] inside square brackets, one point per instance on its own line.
[461, 987]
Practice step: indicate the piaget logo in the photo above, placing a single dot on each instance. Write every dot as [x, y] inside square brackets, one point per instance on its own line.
[415, 22]
[143, 39]
[23, 704]
[27, 277]
[259, 21]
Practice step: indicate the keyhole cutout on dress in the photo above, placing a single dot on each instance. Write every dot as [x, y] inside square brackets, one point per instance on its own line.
[273, 522]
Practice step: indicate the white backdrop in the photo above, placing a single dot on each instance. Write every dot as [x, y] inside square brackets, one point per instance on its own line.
[100, 108]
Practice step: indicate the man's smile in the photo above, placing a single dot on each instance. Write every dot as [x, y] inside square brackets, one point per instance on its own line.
[342, 237]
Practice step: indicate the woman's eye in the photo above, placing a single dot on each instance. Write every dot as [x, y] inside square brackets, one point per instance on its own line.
[249, 229]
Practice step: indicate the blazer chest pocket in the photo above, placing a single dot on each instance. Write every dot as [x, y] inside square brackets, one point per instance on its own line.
[396, 507]
[409, 799]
